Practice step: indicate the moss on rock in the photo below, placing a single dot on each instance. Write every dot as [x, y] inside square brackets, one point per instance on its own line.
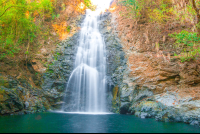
[4, 82]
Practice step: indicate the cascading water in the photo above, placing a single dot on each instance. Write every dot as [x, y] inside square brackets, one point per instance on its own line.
[87, 86]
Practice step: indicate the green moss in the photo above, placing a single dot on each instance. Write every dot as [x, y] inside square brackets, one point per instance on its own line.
[58, 54]
[115, 93]
[2, 92]
[46, 105]
[114, 103]
[14, 90]
[4, 81]
[68, 28]
[89, 5]
[50, 71]
[148, 103]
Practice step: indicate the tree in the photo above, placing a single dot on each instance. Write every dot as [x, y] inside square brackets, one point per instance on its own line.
[18, 29]
[198, 14]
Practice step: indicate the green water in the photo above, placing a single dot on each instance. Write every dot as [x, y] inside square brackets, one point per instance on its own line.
[75, 123]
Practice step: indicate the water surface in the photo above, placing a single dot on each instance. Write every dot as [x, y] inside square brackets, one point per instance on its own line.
[85, 123]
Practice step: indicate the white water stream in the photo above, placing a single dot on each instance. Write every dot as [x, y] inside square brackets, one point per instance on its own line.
[87, 83]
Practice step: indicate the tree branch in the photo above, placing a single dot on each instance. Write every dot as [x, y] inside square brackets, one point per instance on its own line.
[9, 8]
[198, 15]
[195, 6]
[4, 3]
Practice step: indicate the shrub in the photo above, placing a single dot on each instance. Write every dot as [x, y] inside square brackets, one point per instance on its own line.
[134, 7]
[188, 42]
[89, 5]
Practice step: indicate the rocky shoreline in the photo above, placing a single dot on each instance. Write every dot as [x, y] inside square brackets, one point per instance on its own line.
[187, 111]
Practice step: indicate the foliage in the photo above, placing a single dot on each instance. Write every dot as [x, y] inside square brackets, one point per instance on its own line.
[49, 68]
[89, 5]
[171, 16]
[161, 13]
[189, 43]
[68, 28]
[184, 14]
[134, 7]
[18, 24]
[2, 91]
[186, 38]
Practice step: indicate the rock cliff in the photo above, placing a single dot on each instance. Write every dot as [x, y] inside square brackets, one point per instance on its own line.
[147, 83]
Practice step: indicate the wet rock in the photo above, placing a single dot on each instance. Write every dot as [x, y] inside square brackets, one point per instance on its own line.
[124, 107]
[116, 64]
[194, 123]
[178, 119]
[141, 94]
[4, 81]
[26, 104]
[125, 97]
[144, 115]
[198, 118]
[186, 119]
[55, 80]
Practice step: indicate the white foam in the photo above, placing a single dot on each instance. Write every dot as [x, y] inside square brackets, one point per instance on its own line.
[87, 113]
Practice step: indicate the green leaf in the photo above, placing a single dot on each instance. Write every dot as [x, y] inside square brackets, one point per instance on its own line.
[26, 52]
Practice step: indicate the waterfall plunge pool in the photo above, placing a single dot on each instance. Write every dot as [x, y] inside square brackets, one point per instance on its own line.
[86, 123]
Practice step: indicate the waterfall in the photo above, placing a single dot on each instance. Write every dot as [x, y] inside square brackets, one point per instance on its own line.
[86, 87]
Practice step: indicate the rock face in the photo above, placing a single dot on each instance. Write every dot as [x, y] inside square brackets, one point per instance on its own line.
[116, 62]
[142, 84]
[19, 97]
[55, 80]
[146, 84]
[187, 112]
[58, 73]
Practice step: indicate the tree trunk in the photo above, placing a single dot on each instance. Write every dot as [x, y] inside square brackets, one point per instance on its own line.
[198, 15]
